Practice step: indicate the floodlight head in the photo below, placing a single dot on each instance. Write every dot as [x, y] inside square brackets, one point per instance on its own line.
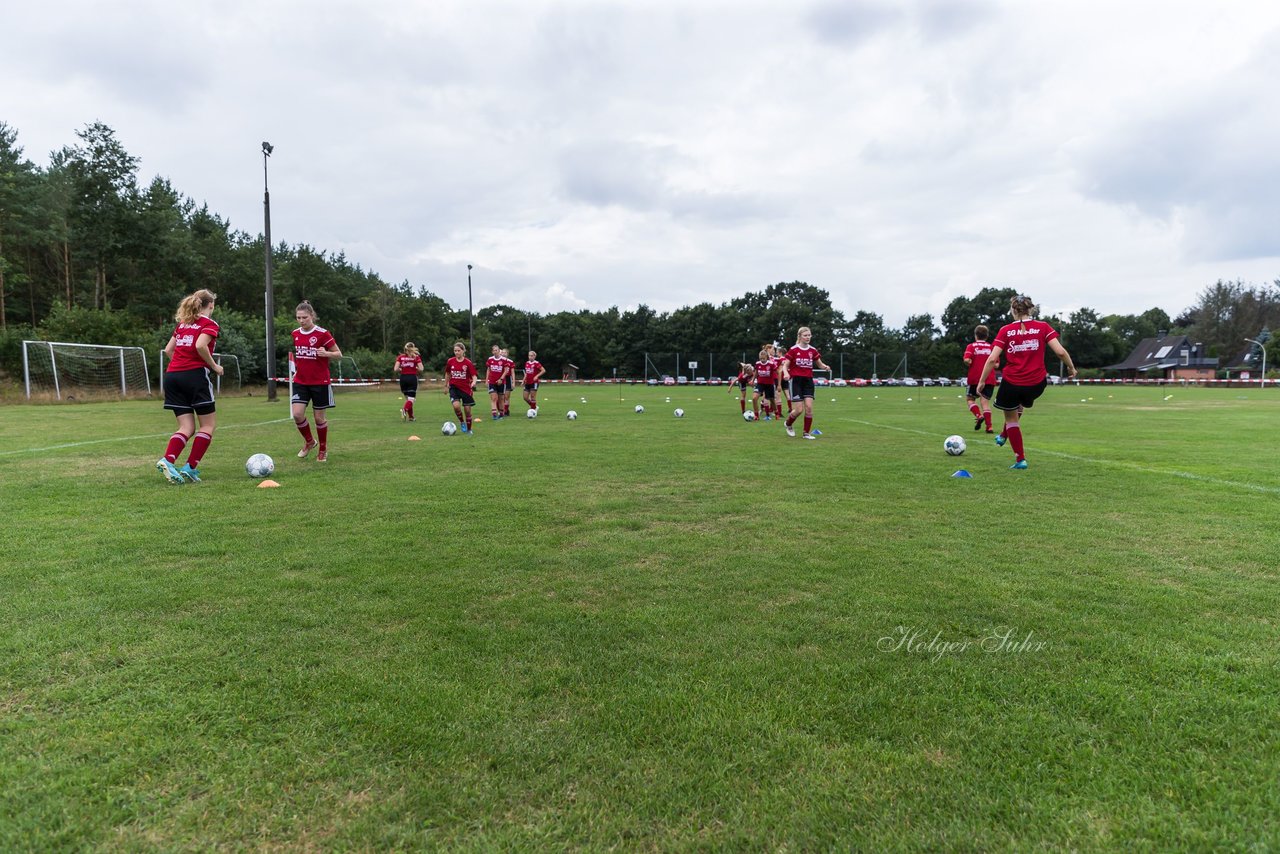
[267, 148]
[468, 266]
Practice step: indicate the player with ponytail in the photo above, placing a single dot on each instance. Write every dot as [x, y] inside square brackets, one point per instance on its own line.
[408, 365]
[1024, 378]
[188, 391]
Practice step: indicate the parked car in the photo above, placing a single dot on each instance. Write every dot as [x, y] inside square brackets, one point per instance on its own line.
[927, 381]
[910, 381]
[820, 381]
[944, 381]
[714, 381]
[667, 379]
[682, 380]
[1055, 380]
[699, 380]
[651, 381]
[840, 382]
[891, 381]
[858, 382]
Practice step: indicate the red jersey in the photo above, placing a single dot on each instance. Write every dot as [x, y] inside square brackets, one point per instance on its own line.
[494, 368]
[460, 373]
[510, 365]
[185, 335]
[777, 369]
[764, 372]
[308, 368]
[531, 371]
[1025, 350]
[802, 360]
[407, 364]
[977, 352]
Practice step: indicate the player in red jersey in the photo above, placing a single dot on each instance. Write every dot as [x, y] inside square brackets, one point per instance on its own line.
[533, 372]
[313, 350]
[188, 392]
[746, 373]
[1024, 378]
[495, 377]
[780, 390]
[975, 356]
[408, 366]
[460, 373]
[766, 385]
[797, 366]
[509, 384]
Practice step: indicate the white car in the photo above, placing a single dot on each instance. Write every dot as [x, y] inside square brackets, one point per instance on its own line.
[909, 381]
[944, 381]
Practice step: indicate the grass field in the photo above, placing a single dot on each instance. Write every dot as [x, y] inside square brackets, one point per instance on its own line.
[642, 632]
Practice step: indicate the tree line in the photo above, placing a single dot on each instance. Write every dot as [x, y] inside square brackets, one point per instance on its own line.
[90, 254]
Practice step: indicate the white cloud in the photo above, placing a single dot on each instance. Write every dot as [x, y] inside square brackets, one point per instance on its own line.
[1110, 154]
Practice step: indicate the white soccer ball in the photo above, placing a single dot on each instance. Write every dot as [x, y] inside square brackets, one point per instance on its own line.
[259, 465]
[571, 415]
[749, 415]
[449, 428]
[679, 413]
[532, 413]
[639, 409]
[954, 445]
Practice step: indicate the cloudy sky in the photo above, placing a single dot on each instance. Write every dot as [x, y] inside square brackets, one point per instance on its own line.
[1119, 154]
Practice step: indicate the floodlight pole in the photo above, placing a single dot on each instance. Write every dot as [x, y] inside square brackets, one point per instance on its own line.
[1263, 348]
[471, 326]
[267, 148]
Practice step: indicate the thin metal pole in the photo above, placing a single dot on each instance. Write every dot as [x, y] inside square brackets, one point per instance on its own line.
[471, 325]
[267, 148]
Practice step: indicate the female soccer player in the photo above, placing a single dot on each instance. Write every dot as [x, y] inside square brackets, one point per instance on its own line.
[533, 372]
[187, 389]
[797, 366]
[509, 384]
[745, 374]
[766, 385]
[409, 365]
[313, 350]
[496, 379]
[461, 374]
[975, 356]
[1024, 342]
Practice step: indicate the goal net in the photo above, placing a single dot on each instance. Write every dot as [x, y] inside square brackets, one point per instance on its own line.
[230, 379]
[64, 371]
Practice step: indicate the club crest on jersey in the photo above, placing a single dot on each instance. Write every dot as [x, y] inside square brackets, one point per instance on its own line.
[314, 339]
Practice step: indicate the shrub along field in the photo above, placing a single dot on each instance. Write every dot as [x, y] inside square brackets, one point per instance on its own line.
[637, 631]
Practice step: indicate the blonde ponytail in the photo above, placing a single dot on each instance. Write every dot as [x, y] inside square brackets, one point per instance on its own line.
[191, 306]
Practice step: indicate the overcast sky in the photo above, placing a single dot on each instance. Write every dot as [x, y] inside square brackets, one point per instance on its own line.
[1118, 155]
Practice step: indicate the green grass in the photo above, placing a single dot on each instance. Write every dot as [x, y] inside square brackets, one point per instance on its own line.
[633, 631]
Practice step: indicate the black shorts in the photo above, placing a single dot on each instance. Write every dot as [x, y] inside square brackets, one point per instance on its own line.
[801, 387]
[1012, 396]
[987, 391]
[530, 386]
[497, 388]
[463, 397]
[510, 385]
[765, 390]
[319, 396]
[190, 391]
[409, 384]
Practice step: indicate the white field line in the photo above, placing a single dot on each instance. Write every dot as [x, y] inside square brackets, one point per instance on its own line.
[130, 438]
[1185, 475]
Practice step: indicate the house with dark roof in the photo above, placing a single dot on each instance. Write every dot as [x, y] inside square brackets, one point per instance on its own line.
[1168, 357]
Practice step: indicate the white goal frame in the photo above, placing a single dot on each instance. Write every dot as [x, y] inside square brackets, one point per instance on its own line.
[53, 361]
[227, 360]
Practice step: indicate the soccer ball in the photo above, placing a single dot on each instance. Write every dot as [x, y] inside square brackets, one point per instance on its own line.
[571, 415]
[954, 445]
[259, 465]
[679, 413]
[749, 415]
[639, 409]
[449, 428]
[532, 413]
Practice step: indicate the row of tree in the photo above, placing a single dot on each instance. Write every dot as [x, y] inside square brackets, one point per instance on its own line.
[89, 254]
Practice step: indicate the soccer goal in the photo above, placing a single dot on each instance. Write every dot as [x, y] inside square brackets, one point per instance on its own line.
[64, 370]
[230, 378]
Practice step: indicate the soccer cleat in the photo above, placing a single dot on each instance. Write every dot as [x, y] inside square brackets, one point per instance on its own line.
[989, 430]
[412, 419]
[167, 469]
[306, 449]
[189, 473]
[1019, 465]
[323, 456]
[977, 425]
[463, 428]
[791, 431]
[808, 436]
[404, 414]
[1000, 440]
